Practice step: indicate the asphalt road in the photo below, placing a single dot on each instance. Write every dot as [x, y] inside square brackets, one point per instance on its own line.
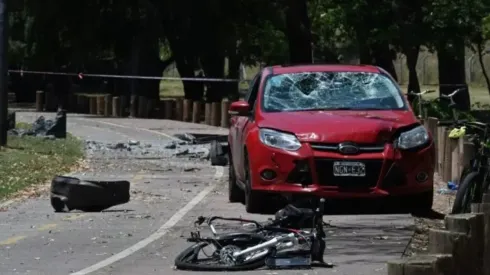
[167, 194]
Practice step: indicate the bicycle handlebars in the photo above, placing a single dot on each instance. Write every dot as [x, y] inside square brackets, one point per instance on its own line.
[421, 93]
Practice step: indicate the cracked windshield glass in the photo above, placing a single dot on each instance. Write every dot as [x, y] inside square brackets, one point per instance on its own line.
[331, 91]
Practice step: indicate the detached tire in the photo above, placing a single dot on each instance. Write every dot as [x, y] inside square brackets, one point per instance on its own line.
[217, 154]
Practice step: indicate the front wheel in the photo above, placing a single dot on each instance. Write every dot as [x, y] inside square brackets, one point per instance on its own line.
[469, 192]
[205, 256]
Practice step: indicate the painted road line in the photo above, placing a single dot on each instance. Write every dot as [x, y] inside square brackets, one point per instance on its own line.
[132, 128]
[159, 233]
[12, 240]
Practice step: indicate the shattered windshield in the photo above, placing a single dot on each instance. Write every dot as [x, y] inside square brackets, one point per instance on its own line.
[331, 91]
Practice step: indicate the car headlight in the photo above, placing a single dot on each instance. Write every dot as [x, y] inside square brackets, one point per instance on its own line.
[279, 140]
[416, 137]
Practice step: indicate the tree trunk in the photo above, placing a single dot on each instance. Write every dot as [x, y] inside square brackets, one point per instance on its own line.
[234, 62]
[452, 74]
[383, 58]
[298, 28]
[412, 54]
[481, 48]
[364, 53]
[213, 66]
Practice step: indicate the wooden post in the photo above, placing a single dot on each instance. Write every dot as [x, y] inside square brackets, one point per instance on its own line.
[84, 104]
[179, 109]
[116, 106]
[447, 161]
[169, 110]
[441, 140]
[39, 101]
[207, 113]
[215, 113]
[441, 264]
[124, 105]
[93, 105]
[453, 243]
[107, 105]
[484, 208]
[150, 107]
[225, 119]
[472, 225]
[100, 105]
[187, 110]
[142, 106]
[455, 160]
[72, 102]
[432, 127]
[133, 106]
[196, 112]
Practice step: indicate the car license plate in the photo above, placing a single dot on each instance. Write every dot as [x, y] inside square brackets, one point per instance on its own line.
[349, 169]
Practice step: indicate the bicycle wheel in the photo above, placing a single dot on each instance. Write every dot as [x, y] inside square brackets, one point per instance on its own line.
[469, 192]
[218, 257]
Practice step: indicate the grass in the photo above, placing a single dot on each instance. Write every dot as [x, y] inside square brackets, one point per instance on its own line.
[27, 161]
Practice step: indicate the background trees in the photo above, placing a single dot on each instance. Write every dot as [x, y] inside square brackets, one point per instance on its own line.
[214, 37]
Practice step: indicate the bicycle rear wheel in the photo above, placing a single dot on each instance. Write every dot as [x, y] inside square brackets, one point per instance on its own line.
[469, 192]
[218, 257]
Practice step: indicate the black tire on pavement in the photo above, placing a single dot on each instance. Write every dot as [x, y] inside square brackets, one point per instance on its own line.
[235, 194]
[217, 154]
[253, 199]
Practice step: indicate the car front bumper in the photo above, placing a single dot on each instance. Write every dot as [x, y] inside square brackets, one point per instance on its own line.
[309, 171]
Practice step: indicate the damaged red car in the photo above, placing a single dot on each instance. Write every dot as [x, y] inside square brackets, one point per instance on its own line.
[331, 131]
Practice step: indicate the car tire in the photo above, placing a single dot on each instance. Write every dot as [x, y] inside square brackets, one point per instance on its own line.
[421, 204]
[253, 199]
[235, 194]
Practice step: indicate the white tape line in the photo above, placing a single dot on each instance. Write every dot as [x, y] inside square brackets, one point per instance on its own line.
[158, 234]
[128, 127]
[81, 75]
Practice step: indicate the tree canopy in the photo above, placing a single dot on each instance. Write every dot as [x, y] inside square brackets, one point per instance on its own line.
[216, 36]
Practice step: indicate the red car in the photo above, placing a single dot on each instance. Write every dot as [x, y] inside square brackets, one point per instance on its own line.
[331, 131]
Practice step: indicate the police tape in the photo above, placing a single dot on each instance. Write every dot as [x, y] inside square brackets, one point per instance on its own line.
[83, 75]
[202, 79]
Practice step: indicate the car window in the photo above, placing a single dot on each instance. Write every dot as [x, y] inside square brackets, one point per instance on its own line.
[331, 91]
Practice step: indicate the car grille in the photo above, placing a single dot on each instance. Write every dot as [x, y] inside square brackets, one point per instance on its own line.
[333, 147]
[324, 171]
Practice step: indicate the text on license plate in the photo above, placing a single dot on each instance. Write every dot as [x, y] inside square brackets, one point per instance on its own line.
[349, 169]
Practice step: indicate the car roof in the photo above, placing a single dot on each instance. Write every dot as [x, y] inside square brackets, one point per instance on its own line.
[282, 69]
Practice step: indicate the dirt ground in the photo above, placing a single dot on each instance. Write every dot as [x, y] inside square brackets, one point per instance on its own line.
[442, 206]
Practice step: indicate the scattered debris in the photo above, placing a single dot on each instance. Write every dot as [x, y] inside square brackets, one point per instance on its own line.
[44, 127]
[68, 193]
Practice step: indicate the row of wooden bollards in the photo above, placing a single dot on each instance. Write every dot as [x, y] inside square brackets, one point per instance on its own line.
[452, 155]
[212, 113]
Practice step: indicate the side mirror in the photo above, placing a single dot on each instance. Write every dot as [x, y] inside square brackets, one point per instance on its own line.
[239, 108]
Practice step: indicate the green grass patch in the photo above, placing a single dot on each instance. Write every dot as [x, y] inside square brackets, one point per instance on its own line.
[27, 161]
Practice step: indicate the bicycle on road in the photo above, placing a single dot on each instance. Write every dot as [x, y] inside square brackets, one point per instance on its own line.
[280, 243]
[474, 179]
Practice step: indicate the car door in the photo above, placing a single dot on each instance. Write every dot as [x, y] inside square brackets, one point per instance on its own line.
[243, 123]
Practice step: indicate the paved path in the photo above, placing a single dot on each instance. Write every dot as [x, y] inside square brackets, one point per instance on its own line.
[144, 235]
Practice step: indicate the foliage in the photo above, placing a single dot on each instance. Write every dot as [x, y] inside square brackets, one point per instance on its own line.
[27, 161]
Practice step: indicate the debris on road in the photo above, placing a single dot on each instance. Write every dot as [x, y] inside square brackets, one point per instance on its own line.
[69, 193]
[44, 127]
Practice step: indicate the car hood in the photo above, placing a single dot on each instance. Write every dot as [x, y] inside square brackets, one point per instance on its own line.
[339, 126]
